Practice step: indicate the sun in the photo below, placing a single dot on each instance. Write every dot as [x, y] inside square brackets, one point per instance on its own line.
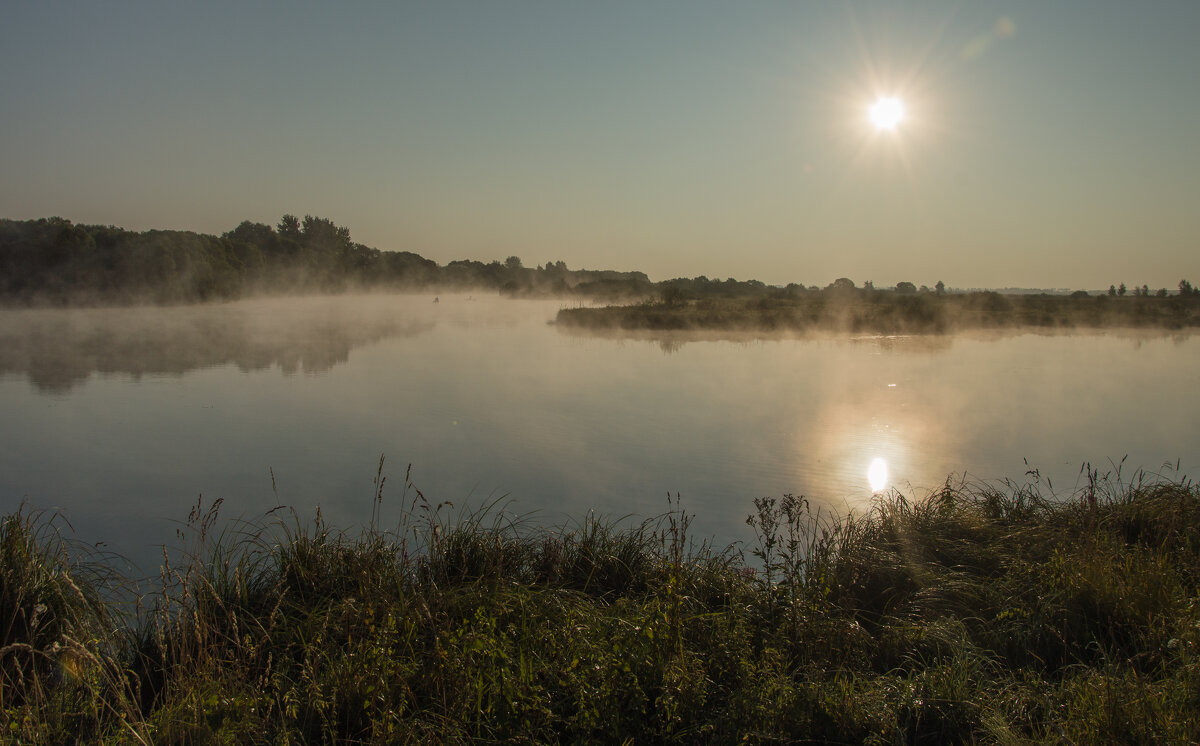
[886, 113]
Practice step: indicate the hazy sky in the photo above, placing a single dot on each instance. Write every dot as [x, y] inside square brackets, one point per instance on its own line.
[1047, 144]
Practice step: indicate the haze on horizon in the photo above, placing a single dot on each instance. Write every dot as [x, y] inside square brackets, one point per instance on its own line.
[1043, 145]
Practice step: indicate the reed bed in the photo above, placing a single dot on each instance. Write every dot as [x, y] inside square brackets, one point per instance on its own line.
[978, 613]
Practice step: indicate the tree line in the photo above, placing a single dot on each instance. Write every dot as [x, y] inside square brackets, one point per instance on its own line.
[55, 261]
[1119, 291]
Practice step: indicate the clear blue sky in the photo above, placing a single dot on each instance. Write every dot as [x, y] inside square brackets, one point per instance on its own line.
[1048, 144]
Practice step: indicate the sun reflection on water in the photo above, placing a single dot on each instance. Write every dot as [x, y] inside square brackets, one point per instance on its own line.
[877, 475]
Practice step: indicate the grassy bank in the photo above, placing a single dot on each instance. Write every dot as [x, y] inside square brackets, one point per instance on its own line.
[973, 614]
[887, 312]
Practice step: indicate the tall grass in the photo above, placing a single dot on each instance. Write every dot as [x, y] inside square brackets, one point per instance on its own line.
[60, 642]
[977, 613]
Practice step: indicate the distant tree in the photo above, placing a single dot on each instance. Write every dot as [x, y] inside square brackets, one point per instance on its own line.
[1145, 290]
[1162, 293]
[1112, 290]
[257, 234]
[289, 226]
[842, 284]
[868, 285]
[940, 288]
[671, 294]
[905, 287]
[1079, 294]
[990, 301]
[1121, 289]
[323, 231]
[513, 262]
[1185, 288]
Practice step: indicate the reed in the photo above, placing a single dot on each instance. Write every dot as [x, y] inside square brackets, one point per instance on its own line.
[61, 644]
[977, 613]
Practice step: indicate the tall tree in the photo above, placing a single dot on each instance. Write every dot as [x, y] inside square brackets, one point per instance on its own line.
[289, 226]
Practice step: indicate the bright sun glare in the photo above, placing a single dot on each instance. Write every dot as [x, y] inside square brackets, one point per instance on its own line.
[886, 113]
[877, 474]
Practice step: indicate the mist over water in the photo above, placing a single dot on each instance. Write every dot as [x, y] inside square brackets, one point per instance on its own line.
[60, 349]
[123, 417]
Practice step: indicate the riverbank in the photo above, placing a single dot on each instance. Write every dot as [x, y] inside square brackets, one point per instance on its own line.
[860, 311]
[975, 613]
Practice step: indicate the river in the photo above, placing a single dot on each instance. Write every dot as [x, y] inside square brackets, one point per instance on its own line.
[124, 418]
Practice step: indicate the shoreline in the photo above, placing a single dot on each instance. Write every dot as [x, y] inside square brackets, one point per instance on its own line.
[890, 313]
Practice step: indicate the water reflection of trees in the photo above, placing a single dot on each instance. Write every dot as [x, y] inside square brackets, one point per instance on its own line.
[671, 342]
[59, 349]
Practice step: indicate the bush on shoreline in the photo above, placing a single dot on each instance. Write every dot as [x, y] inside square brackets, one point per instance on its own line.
[888, 312]
[977, 613]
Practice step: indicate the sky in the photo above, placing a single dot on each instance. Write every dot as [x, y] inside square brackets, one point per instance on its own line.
[1044, 144]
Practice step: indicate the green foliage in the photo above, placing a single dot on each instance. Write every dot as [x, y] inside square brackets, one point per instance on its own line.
[842, 308]
[60, 675]
[52, 261]
[977, 613]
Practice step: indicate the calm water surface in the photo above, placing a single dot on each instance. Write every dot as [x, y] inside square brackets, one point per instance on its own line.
[123, 418]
